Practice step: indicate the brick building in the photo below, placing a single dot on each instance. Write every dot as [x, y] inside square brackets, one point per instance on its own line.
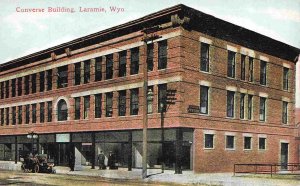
[231, 90]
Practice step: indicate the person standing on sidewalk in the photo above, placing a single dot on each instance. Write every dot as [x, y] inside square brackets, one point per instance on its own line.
[72, 161]
[101, 159]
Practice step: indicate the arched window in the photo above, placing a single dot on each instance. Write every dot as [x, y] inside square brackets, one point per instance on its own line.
[62, 110]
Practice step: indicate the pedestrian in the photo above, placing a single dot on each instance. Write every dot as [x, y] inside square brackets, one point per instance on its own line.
[101, 159]
[72, 161]
[111, 160]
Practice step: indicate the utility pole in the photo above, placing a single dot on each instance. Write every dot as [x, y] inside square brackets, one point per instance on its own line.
[146, 38]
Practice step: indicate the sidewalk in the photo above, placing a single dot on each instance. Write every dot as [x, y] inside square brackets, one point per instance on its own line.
[188, 177]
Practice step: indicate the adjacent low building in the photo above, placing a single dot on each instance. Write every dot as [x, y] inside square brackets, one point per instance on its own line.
[218, 94]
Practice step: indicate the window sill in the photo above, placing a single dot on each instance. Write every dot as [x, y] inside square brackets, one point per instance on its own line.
[261, 150]
[230, 149]
[209, 148]
[209, 72]
[247, 150]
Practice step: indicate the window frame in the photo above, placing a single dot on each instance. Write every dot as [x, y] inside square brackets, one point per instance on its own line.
[245, 143]
[42, 112]
[204, 60]
[122, 63]
[20, 114]
[86, 107]
[243, 67]
[251, 69]
[231, 64]
[33, 113]
[122, 103]
[150, 56]
[49, 111]
[42, 81]
[109, 67]
[49, 79]
[109, 104]
[262, 109]
[263, 73]
[98, 69]
[250, 107]
[134, 61]
[62, 115]
[98, 105]
[134, 101]
[86, 71]
[264, 145]
[285, 112]
[77, 73]
[204, 99]
[226, 142]
[13, 88]
[285, 80]
[62, 77]
[230, 106]
[242, 105]
[209, 144]
[77, 110]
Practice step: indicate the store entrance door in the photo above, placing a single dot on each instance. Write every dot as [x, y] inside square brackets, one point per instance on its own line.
[63, 153]
[284, 155]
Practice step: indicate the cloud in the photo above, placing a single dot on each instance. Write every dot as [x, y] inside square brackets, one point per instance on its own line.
[283, 14]
[251, 25]
[21, 21]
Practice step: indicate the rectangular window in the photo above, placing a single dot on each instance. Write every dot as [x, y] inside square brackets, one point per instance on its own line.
[150, 57]
[230, 104]
[162, 92]
[262, 109]
[251, 69]
[20, 115]
[77, 108]
[87, 71]
[7, 89]
[2, 116]
[33, 113]
[134, 102]
[204, 99]
[42, 112]
[77, 74]
[285, 78]
[109, 104]
[122, 103]
[109, 66]
[208, 141]
[98, 69]
[122, 63]
[62, 76]
[134, 61]
[27, 114]
[42, 81]
[162, 54]
[231, 64]
[98, 105]
[20, 86]
[243, 67]
[33, 83]
[49, 109]
[14, 114]
[250, 103]
[247, 143]
[261, 143]
[263, 73]
[2, 90]
[150, 100]
[284, 112]
[7, 115]
[49, 79]
[242, 106]
[229, 142]
[13, 88]
[204, 57]
[86, 108]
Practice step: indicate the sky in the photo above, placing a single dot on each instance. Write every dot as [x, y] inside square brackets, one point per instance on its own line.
[23, 33]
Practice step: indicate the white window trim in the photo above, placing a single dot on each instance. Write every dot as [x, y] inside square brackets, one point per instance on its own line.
[211, 132]
[265, 137]
[251, 145]
[234, 142]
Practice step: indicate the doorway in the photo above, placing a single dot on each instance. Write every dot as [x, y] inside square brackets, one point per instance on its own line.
[284, 155]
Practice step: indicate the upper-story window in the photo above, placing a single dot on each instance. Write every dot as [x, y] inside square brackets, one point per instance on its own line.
[204, 58]
[13, 87]
[33, 83]
[162, 54]
[20, 86]
[242, 106]
[134, 102]
[98, 69]
[86, 107]
[33, 106]
[87, 72]
[162, 93]
[77, 108]
[7, 115]
[230, 104]
[62, 110]
[42, 81]
[20, 114]
[243, 67]
[122, 63]
[208, 141]
[284, 112]
[42, 112]
[250, 110]
[98, 105]
[14, 114]
[134, 61]
[204, 99]
[26, 85]
[2, 116]
[250, 69]
[49, 79]
[2, 90]
[27, 114]
[62, 76]
[77, 73]
[109, 104]
[7, 89]
[122, 103]
[262, 109]
[231, 64]
[49, 110]
[285, 78]
[150, 57]
[109, 66]
[263, 73]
